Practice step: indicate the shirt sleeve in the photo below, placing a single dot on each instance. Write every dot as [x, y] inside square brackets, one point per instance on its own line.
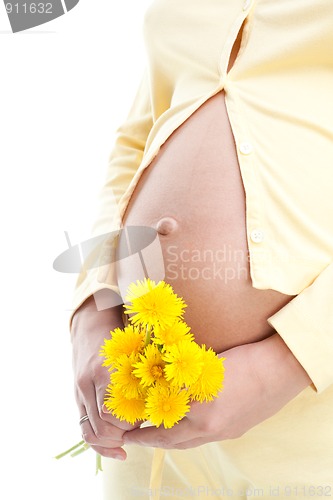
[124, 160]
[306, 326]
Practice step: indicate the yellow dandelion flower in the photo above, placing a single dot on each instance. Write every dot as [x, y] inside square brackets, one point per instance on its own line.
[153, 304]
[127, 341]
[172, 334]
[129, 409]
[139, 288]
[210, 381]
[124, 377]
[183, 363]
[150, 367]
[162, 382]
[166, 405]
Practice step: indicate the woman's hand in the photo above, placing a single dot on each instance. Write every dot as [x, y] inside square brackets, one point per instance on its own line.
[103, 432]
[260, 378]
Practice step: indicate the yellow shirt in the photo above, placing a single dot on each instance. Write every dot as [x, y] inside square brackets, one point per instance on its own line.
[279, 98]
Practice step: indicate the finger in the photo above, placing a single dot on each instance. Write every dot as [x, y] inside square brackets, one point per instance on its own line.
[116, 453]
[98, 431]
[121, 424]
[90, 437]
[160, 437]
[104, 413]
[100, 390]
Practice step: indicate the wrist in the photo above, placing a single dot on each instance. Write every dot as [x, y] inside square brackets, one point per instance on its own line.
[87, 317]
[278, 369]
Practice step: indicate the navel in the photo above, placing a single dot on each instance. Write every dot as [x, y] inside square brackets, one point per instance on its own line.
[166, 225]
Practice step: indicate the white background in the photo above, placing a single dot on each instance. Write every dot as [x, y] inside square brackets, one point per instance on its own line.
[65, 87]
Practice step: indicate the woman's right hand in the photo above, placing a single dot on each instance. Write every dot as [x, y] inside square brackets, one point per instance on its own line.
[103, 432]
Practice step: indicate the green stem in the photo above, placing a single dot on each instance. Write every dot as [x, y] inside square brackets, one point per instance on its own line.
[148, 334]
[83, 448]
[67, 452]
[98, 463]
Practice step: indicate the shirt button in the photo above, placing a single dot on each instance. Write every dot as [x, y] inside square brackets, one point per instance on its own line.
[246, 4]
[257, 236]
[245, 148]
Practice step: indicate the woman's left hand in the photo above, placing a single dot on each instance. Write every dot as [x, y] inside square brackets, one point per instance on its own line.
[260, 379]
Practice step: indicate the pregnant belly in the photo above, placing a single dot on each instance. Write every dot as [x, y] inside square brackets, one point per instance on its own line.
[192, 194]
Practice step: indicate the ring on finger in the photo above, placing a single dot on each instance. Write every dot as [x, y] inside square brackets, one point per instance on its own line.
[83, 419]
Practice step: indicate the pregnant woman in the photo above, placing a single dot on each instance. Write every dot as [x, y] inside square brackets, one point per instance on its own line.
[227, 154]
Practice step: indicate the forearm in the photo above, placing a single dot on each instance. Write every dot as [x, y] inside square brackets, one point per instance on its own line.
[87, 316]
[306, 326]
[260, 379]
[278, 371]
[90, 327]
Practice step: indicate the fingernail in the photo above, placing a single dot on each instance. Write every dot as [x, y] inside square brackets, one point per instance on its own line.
[104, 409]
[119, 457]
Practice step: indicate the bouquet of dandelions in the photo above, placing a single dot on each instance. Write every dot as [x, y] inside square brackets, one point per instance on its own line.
[156, 367]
